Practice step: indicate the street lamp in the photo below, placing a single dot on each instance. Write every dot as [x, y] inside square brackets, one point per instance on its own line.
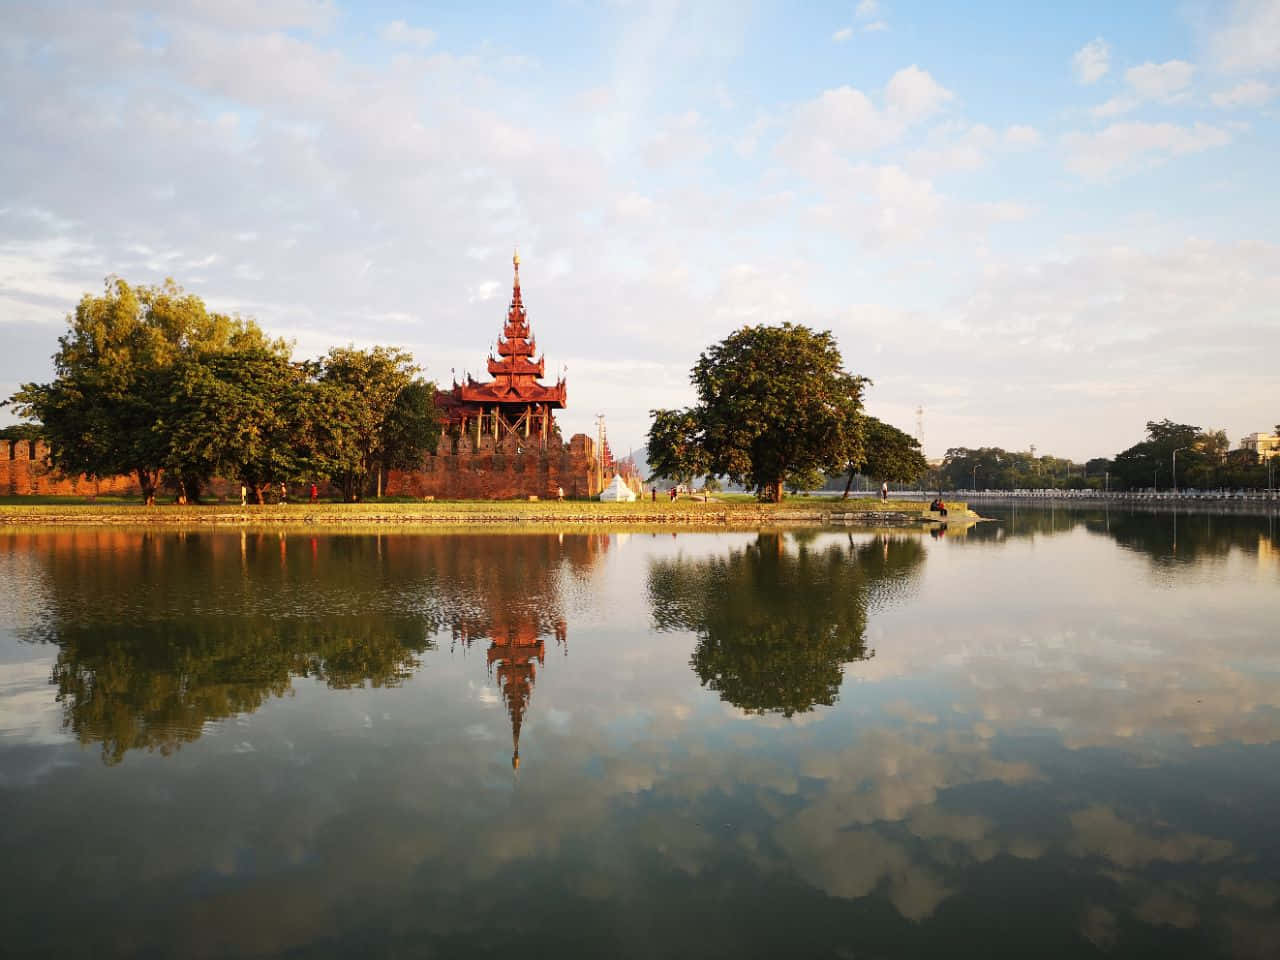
[1175, 469]
[975, 479]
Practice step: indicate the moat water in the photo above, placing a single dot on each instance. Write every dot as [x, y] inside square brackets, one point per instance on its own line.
[1058, 735]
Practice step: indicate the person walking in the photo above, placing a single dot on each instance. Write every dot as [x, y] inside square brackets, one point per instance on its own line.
[314, 492]
[560, 494]
[284, 492]
[244, 495]
[884, 491]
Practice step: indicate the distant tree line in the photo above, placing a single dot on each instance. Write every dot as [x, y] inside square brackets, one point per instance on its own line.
[1205, 461]
[150, 383]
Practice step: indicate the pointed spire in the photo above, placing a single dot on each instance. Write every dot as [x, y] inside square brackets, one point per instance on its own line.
[515, 283]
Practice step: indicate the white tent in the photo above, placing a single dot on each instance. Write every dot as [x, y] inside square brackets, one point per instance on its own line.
[617, 491]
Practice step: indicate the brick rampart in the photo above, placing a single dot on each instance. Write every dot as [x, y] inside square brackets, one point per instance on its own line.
[506, 470]
[25, 471]
[501, 470]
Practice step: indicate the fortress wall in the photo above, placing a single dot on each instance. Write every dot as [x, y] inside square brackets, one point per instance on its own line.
[492, 471]
[25, 471]
[506, 470]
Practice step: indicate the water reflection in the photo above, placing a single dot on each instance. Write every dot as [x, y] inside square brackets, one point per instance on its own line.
[775, 626]
[160, 635]
[1048, 743]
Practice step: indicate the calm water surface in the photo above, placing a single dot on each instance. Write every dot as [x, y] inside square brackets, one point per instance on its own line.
[1052, 736]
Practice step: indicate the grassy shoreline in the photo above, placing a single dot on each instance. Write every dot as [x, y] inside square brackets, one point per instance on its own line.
[466, 513]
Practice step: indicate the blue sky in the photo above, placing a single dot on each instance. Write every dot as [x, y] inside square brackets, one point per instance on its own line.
[1043, 223]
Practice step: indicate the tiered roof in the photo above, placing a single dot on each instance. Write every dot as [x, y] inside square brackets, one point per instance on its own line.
[516, 374]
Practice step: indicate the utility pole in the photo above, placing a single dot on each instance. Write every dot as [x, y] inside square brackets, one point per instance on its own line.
[600, 446]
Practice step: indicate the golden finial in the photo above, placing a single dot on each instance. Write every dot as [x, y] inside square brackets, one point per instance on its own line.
[515, 258]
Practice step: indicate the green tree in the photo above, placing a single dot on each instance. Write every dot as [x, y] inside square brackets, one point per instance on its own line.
[1144, 463]
[675, 450]
[251, 415]
[773, 403]
[373, 426]
[890, 455]
[103, 414]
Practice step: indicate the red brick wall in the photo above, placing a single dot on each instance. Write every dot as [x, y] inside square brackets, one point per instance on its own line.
[22, 474]
[501, 471]
[494, 471]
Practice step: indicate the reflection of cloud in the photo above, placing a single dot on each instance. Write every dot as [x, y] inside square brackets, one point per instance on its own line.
[1100, 833]
[1259, 894]
[1167, 909]
[1098, 926]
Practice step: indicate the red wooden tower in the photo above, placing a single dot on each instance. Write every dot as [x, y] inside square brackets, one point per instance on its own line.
[515, 403]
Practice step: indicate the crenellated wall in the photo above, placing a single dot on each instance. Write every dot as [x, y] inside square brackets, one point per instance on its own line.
[25, 471]
[505, 470]
[501, 470]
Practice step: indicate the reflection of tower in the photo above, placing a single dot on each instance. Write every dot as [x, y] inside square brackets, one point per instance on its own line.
[517, 646]
[506, 590]
[514, 649]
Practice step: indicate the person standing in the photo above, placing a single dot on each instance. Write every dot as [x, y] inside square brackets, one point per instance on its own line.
[244, 494]
[284, 492]
[314, 491]
[560, 493]
[884, 491]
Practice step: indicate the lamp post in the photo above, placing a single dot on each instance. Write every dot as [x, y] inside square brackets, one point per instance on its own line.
[1175, 469]
[975, 479]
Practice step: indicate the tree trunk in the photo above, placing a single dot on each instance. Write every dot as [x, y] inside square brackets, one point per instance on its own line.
[848, 486]
[147, 481]
[776, 491]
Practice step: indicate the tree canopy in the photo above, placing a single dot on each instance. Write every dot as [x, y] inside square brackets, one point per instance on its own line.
[149, 382]
[774, 402]
[889, 455]
[103, 414]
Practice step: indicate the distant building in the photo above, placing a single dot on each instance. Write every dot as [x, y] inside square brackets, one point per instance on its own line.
[1265, 445]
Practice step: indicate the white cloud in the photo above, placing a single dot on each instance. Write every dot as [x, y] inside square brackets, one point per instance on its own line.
[1251, 93]
[1162, 82]
[1092, 61]
[875, 26]
[400, 34]
[1021, 135]
[1250, 38]
[1127, 147]
[843, 34]
[915, 94]
[867, 9]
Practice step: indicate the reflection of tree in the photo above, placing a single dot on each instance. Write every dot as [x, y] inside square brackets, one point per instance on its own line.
[158, 635]
[1190, 537]
[775, 627]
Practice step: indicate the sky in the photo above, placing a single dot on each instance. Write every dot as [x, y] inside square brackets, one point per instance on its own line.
[1040, 223]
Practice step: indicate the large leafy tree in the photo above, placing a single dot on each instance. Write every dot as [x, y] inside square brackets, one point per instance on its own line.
[382, 417]
[889, 454]
[250, 415]
[114, 375]
[774, 402]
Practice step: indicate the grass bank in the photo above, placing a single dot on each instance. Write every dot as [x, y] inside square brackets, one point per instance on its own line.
[465, 513]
